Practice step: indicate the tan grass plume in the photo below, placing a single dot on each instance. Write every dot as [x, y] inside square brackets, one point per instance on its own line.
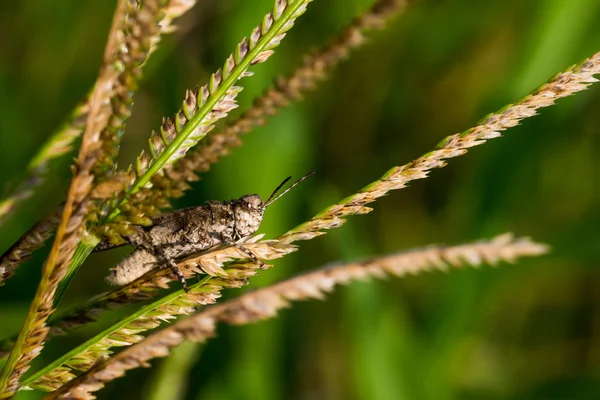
[266, 303]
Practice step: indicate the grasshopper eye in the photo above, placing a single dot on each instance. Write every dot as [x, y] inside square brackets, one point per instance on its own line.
[251, 202]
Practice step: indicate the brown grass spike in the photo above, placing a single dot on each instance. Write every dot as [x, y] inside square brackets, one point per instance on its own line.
[575, 79]
[265, 303]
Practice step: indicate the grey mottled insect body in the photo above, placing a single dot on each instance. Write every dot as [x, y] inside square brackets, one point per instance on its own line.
[179, 234]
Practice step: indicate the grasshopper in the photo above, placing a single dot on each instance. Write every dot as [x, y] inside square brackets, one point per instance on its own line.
[175, 235]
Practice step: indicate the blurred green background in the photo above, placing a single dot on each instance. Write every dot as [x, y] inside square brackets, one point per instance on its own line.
[528, 331]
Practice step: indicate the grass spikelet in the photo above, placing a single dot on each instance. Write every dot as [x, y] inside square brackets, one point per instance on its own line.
[34, 331]
[285, 90]
[265, 303]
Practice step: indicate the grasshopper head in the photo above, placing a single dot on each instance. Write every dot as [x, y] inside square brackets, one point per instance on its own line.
[248, 210]
[248, 213]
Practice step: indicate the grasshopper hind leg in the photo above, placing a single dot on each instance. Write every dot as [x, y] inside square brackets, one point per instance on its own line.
[251, 255]
[247, 252]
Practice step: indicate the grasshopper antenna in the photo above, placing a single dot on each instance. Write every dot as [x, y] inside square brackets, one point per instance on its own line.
[277, 189]
[271, 200]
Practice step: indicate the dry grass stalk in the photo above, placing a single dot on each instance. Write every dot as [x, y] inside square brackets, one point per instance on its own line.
[314, 69]
[33, 333]
[125, 51]
[575, 79]
[265, 303]
[60, 142]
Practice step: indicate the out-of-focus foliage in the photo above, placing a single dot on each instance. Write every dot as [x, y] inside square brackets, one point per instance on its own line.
[529, 331]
